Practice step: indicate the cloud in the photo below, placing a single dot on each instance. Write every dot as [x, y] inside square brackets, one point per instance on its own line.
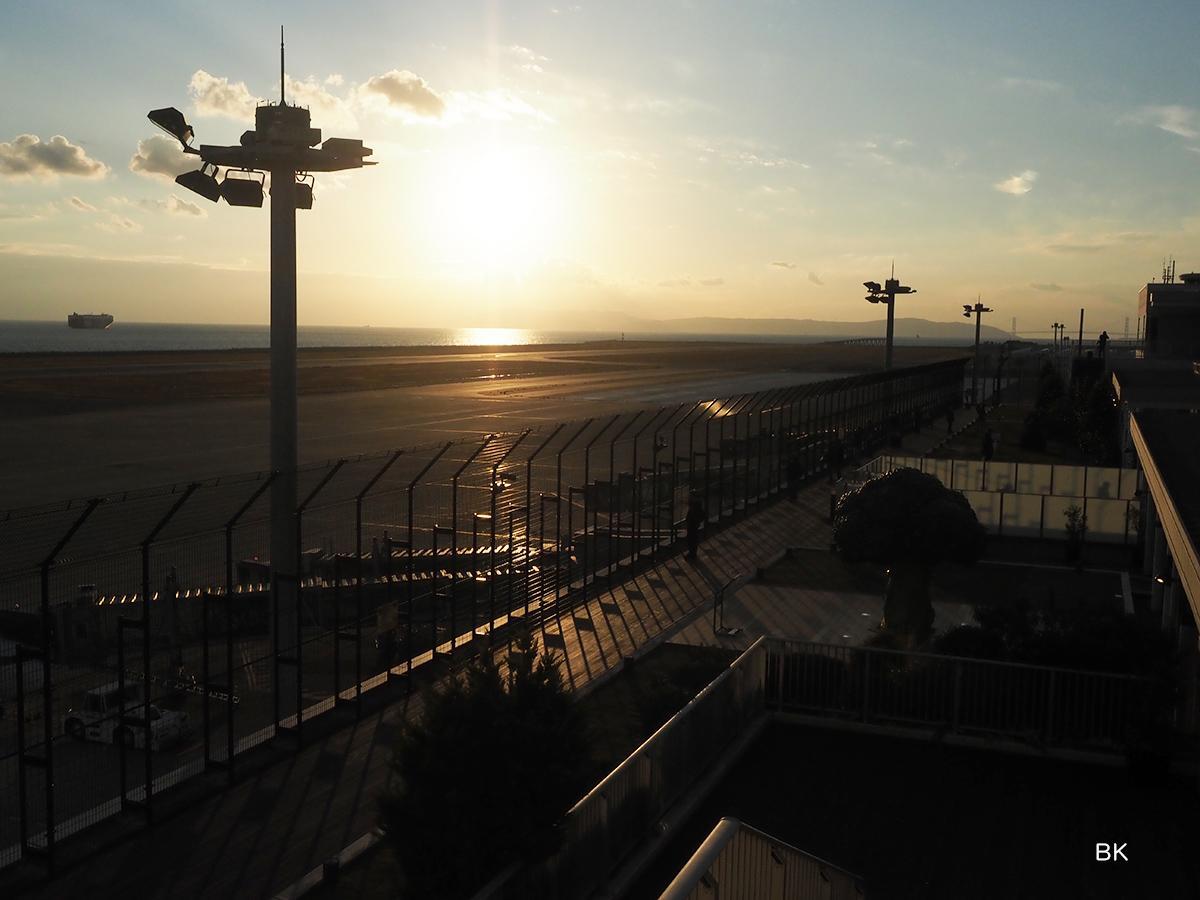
[215, 96]
[176, 206]
[407, 91]
[712, 282]
[1033, 85]
[815, 279]
[161, 156]
[495, 105]
[335, 80]
[1017, 185]
[1071, 245]
[1180, 120]
[784, 265]
[81, 205]
[1049, 287]
[526, 58]
[328, 110]
[741, 154]
[28, 157]
[118, 224]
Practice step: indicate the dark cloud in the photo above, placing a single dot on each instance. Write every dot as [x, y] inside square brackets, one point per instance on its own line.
[815, 279]
[28, 157]
[408, 91]
[1050, 288]
[82, 205]
[784, 265]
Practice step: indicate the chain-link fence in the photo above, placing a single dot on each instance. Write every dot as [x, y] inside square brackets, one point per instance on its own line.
[141, 631]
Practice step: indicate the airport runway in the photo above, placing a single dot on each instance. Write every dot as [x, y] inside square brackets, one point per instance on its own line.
[122, 441]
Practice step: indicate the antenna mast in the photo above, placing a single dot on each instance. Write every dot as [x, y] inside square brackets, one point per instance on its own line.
[282, 82]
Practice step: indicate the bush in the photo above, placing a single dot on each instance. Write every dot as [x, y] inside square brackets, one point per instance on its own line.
[1033, 432]
[484, 776]
[970, 640]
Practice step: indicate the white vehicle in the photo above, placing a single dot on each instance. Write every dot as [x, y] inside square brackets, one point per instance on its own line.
[100, 719]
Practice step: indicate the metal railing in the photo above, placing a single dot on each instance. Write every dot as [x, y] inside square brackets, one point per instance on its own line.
[1005, 705]
[1042, 707]
[406, 556]
[614, 817]
[737, 862]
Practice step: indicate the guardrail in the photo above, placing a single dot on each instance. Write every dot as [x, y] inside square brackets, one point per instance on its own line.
[1009, 706]
[738, 861]
[615, 816]
[1040, 707]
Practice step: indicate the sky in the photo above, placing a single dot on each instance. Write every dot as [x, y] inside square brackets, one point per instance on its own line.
[573, 165]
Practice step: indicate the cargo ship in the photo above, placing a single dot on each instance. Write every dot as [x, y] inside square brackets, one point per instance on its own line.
[89, 320]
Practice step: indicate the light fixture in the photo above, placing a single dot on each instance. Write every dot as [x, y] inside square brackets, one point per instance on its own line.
[203, 182]
[243, 189]
[173, 123]
[304, 191]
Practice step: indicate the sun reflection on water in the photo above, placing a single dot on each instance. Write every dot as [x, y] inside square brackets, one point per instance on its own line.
[492, 337]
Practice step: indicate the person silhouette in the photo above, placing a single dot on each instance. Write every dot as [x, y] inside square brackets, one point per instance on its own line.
[1102, 343]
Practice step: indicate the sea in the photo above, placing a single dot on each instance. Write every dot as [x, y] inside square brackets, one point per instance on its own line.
[56, 337]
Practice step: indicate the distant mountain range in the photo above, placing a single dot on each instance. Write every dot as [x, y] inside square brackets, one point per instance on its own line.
[905, 328]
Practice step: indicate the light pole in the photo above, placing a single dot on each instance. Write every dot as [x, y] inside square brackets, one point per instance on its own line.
[978, 309]
[1058, 327]
[284, 144]
[887, 294]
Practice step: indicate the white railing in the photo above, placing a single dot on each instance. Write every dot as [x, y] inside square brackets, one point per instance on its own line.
[1045, 708]
[1031, 499]
[737, 861]
[613, 819]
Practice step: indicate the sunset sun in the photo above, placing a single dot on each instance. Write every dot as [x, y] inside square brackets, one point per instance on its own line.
[497, 206]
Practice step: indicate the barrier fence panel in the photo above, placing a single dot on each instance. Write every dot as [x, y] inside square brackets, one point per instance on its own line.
[150, 618]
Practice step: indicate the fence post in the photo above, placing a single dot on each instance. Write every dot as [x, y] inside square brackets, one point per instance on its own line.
[614, 492]
[588, 558]
[410, 575]
[209, 762]
[46, 760]
[356, 636]
[297, 657]
[454, 539]
[541, 526]
[125, 721]
[558, 511]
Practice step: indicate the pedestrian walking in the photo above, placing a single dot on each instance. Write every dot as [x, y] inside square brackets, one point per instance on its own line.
[1102, 343]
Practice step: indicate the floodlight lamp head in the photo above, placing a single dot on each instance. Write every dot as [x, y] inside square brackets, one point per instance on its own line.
[203, 182]
[243, 189]
[173, 123]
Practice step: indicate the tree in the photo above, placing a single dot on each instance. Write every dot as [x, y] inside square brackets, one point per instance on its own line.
[482, 779]
[909, 522]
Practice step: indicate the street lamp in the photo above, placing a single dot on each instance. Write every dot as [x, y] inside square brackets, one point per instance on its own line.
[978, 309]
[887, 294]
[1059, 329]
[283, 144]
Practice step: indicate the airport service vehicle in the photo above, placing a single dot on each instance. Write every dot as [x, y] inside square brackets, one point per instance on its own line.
[100, 718]
[89, 320]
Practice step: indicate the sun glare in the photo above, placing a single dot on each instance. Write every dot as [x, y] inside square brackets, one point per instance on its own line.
[496, 207]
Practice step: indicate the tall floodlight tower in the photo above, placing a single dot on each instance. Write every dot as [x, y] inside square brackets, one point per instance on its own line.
[887, 294]
[284, 144]
[977, 310]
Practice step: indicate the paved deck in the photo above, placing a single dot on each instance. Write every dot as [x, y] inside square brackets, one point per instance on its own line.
[269, 830]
